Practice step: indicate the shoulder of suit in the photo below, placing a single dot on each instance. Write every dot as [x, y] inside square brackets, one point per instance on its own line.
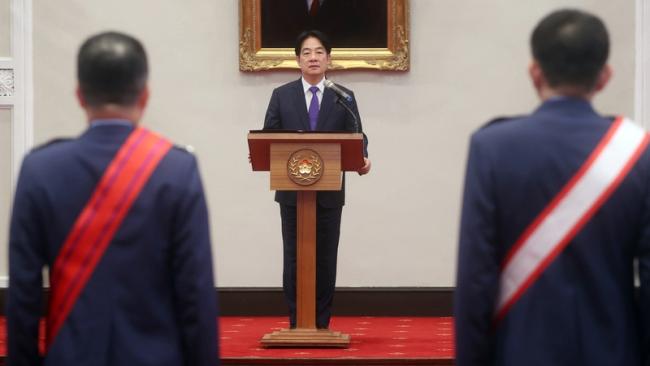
[290, 85]
[500, 120]
[51, 143]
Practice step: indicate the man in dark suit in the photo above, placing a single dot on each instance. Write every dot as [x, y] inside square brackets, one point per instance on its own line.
[556, 210]
[149, 297]
[305, 104]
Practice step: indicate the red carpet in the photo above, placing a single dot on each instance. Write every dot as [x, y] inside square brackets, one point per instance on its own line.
[3, 337]
[375, 341]
[372, 338]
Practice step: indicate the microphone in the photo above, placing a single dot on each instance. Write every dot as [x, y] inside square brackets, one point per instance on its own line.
[343, 95]
[340, 92]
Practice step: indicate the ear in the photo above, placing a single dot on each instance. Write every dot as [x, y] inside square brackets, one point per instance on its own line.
[80, 97]
[143, 99]
[536, 75]
[604, 77]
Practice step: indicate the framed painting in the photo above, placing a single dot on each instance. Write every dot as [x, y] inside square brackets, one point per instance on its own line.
[365, 34]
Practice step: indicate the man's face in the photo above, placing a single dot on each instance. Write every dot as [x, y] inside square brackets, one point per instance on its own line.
[313, 59]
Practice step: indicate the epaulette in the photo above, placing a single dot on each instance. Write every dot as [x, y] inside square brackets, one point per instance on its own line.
[187, 148]
[499, 120]
[51, 142]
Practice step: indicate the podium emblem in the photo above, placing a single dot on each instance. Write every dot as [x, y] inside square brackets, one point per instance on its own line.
[305, 167]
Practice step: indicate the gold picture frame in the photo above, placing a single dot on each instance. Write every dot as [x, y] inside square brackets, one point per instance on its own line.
[395, 57]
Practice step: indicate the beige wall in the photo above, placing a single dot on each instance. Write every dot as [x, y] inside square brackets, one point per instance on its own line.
[400, 223]
[5, 141]
[5, 27]
[5, 181]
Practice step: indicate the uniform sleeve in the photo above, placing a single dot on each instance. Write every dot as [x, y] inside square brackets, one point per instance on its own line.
[644, 275]
[478, 268]
[26, 262]
[193, 275]
[273, 120]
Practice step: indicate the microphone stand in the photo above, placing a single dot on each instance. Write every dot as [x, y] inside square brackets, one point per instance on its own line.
[356, 121]
[347, 108]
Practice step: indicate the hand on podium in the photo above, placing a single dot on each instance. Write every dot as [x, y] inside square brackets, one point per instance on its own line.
[366, 168]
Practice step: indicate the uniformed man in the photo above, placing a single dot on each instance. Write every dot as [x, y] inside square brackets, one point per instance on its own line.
[556, 210]
[118, 216]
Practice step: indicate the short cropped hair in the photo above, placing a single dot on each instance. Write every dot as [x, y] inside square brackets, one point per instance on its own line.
[111, 69]
[322, 37]
[571, 47]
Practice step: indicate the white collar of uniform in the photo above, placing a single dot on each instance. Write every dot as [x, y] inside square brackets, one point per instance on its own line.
[306, 85]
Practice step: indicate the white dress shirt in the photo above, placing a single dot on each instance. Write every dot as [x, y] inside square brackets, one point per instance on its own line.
[308, 94]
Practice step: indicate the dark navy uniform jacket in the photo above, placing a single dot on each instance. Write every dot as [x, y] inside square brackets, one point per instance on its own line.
[151, 299]
[583, 309]
[287, 110]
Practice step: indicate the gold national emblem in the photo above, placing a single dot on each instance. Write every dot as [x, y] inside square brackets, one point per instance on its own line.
[305, 167]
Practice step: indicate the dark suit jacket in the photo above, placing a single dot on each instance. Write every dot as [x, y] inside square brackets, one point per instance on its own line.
[583, 309]
[287, 110]
[151, 299]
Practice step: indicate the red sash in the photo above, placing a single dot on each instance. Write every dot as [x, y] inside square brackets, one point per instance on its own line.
[569, 211]
[99, 220]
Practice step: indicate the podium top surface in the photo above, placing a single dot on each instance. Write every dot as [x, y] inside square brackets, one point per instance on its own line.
[259, 144]
[291, 135]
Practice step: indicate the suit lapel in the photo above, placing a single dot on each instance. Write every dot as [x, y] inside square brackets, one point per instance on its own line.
[301, 106]
[325, 107]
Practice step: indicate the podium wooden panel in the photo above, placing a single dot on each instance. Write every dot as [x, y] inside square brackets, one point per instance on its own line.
[329, 154]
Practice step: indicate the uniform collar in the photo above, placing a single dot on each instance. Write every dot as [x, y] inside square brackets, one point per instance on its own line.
[110, 122]
[566, 105]
[107, 130]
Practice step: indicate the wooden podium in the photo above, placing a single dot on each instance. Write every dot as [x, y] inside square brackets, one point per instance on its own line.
[306, 162]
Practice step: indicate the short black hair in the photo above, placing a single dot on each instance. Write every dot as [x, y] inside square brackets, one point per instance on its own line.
[571, 47]
[111, 69]
[322, 37]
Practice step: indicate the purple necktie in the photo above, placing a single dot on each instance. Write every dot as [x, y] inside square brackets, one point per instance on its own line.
[313, 108]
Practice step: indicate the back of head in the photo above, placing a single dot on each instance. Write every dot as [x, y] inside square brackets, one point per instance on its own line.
[571, 47]
[111, 69]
